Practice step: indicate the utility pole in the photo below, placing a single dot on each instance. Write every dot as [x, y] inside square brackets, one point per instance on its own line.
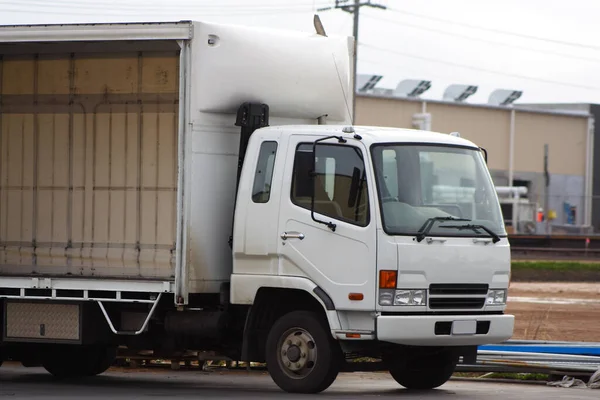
[353, 7]
[547, 189]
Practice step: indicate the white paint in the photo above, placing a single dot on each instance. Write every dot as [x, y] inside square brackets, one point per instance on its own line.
[245, 287]
[298, 75]
[295, 74]
[339, 261]
[422, 328]
[181, 286]
[86, 284]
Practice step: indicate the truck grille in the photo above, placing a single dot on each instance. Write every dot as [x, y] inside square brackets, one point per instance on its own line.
[458, 296]
[458, 303]
[458, 289]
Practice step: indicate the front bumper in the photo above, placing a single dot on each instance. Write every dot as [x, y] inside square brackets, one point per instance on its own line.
[437, 330]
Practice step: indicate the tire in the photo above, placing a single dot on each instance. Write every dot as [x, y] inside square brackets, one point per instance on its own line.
[304, 338]
[105, 359]
[79, 362]
[422, 372]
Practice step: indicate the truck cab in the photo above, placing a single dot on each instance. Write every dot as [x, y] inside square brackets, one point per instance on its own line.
[396, 234]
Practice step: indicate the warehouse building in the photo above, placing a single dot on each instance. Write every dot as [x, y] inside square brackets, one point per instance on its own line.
[516, 138]
[594, 111]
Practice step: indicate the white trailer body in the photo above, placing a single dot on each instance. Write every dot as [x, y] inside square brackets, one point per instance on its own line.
[109, 132]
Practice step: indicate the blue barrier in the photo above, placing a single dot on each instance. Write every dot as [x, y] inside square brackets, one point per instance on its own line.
[583, 349]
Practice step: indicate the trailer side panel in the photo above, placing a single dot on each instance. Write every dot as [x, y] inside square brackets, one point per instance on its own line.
[88, 171]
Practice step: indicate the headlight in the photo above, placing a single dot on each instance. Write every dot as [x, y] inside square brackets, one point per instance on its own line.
[496, 297]
[386, 297]
[402, 297]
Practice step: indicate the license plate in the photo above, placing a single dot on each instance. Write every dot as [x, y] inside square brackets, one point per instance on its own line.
[464, 327]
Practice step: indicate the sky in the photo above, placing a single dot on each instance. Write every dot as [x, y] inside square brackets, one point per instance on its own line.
[545, 48]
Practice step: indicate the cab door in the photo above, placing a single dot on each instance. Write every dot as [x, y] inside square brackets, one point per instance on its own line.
[336, 246]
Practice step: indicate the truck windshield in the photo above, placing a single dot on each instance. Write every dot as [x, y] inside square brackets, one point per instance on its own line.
[418, 182]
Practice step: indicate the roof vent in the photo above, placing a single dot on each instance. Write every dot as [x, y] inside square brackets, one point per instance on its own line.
[504, 97]
[366, 83]
[459, 93]
[412, 88]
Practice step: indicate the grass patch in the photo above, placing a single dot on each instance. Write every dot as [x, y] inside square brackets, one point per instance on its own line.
[504, 375]
[518, 376]
[555, 271]
[555, 265]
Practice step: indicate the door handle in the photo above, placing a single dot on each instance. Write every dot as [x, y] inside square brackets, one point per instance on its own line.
[292, 235]
[430, 240]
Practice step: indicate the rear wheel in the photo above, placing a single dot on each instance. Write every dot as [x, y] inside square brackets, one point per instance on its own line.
[422, 372]
[79, 362]
[301, 355]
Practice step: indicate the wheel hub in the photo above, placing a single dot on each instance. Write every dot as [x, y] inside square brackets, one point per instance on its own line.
[293, 353]
[298, 353]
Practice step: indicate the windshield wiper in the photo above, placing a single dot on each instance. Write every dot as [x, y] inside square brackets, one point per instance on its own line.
[426, 227]
[474, 228]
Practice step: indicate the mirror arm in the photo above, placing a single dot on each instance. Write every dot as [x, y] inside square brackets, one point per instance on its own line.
[313, 175]
[485, 154]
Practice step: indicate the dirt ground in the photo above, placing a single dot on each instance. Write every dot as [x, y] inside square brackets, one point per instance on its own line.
[555, 311]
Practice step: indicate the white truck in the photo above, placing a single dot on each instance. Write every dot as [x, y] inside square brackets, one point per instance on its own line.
[191, 186]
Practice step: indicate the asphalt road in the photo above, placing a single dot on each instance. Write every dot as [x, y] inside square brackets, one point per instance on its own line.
[34, 383]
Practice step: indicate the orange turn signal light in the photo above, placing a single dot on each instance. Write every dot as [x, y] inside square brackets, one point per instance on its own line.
[387, 279]
[356, 296]
[353, 335]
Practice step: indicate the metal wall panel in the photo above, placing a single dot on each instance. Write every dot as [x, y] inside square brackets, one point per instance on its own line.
[566, 138]
[88, 164]
[488, 128]
[374, 111]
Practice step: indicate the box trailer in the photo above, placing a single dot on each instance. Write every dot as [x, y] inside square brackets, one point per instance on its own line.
[196, 186]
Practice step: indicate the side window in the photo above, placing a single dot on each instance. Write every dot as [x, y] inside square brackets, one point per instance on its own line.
[261, 191]
[339, 184]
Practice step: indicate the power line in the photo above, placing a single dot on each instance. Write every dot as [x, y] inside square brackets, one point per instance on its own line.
[521, 35]
[489, 71]
[354, 9]
[478, 39]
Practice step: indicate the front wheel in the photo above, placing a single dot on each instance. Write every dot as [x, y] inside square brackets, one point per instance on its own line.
[301, 355]
[422, 372]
